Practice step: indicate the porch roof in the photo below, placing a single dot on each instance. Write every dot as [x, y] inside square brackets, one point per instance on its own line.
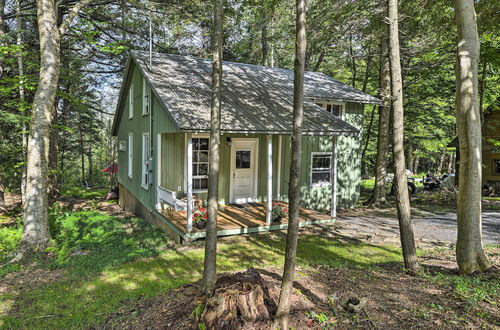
[255, 99]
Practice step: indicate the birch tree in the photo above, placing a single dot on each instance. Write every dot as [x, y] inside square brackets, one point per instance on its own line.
[210, 262]
[282, 312]
[470, 253]
[36, 235]
[402, 196]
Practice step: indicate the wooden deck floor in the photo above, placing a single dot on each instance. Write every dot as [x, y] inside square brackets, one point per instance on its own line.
[234, 217]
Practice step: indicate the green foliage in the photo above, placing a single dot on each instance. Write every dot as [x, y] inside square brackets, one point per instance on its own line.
[90, 242]
[83, 193]
[470, 289]
[198, 310]
[109, 261]
[321, 318]
[9, 238]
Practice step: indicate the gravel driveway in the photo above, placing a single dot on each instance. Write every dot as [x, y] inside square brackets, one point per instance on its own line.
[429, 229]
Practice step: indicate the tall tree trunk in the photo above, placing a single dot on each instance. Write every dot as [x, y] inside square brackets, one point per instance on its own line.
[283, 309]
[410, 156]
[53, 188]
[210, 262]
[402, 197]
[416, 162]
[36, 235]
[263, 42]
[22, 95]
[353, 62]
[482, 87]
[89, 164]
[2, 198]
[384, 113]
[322, 55]
[441, 162]
[451, 163]
[82, 158]
[367, 141]
[470, 253]
[367, 69]
[3, 33]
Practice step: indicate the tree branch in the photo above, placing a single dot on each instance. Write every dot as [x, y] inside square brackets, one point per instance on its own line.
[71, 15]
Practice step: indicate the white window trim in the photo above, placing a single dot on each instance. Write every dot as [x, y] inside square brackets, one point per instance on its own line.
[146, 154]
[201, 136]
[146, 97]
[317, 153]
[326, 102]
[130, 156]
[131, 101]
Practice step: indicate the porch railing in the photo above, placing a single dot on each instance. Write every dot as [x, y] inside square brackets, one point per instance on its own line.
[169, 198]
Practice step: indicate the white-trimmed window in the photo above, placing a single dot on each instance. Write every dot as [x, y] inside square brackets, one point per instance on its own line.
[146, 154]
[146, 97]
[130, 153]
[335, 108]
[131, 101]
[321, 164]
[200, 163]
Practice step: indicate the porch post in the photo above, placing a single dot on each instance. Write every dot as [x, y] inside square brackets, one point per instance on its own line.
[269, 179]
[189, 178]
[278, 173]
[333, 175]
[158, 170]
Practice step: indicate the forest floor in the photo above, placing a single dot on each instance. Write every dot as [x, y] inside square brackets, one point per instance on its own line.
[108, 269]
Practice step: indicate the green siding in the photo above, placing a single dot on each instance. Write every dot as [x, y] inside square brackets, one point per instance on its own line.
[348, 165]
[349, 159]
[139, 124]
[173, 156]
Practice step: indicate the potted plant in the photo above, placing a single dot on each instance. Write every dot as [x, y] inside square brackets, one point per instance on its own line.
[278, 212]
[200, 218]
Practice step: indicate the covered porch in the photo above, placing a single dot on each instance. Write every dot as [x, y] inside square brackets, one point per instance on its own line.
[234, 219]
[253, 175]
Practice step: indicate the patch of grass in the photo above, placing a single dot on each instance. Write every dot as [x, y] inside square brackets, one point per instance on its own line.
[470, 289]
[367, 184]
[111, 261]
[90, 242]
[9, 239]
[85, 193]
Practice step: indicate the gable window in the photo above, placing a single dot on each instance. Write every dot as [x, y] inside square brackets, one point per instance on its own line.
[335, 108]
[130, 153]
[321, 163]
[131, 101]
[146, 96]
[146, 154]
[496, 167]
[200, 164]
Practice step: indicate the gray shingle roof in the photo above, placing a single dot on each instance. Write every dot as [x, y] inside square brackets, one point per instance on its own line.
[255, 99]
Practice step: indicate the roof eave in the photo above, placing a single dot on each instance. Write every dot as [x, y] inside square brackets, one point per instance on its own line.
[114, 127]
[372, 101]
[275, 132]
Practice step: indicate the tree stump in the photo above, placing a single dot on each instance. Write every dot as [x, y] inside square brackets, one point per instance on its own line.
[238, 298]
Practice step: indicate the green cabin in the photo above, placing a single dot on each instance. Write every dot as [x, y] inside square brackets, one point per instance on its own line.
[162, 126]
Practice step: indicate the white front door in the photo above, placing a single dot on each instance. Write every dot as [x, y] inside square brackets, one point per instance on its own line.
[244, 170]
